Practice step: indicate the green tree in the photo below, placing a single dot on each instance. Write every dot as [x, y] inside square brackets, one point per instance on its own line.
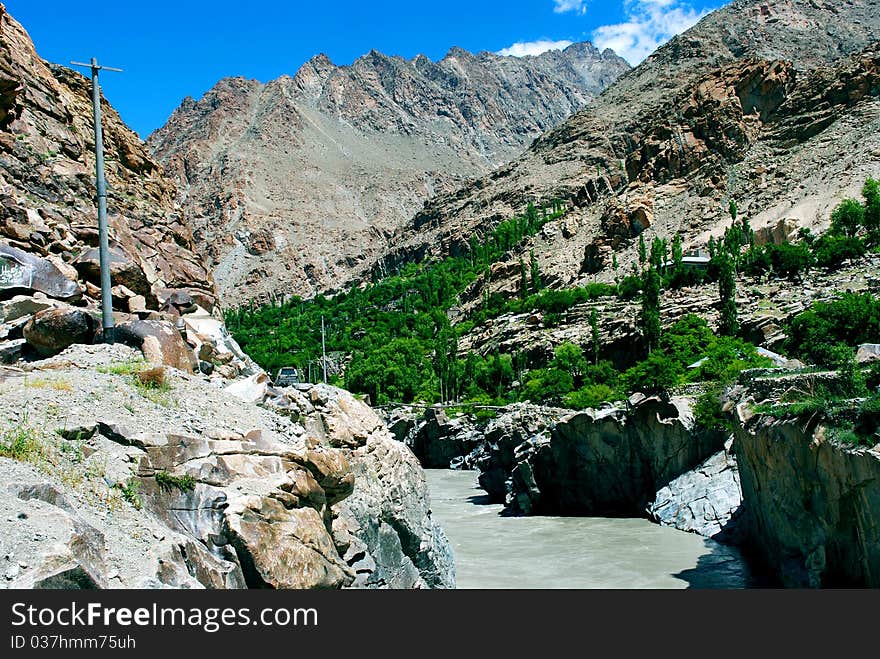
[728, 325]
[569, 357]
[655, 374]
[852, 379]
[594, 333]
[657, 259]
[677, 252]
[643, 250]
[535, 272]
[732, 209]
[871, 193]
[847, 218]
[650, 314]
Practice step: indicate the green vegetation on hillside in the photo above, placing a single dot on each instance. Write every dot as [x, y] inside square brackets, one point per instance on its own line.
[399, 345]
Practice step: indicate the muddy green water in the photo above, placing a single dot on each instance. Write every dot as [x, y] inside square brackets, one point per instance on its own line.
[493, 551]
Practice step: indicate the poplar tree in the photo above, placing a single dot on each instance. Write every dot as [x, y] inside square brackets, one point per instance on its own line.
[650, 316]
[728, 324]
[535, 272]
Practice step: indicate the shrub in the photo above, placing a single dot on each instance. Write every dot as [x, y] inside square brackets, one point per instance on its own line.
[847, 218]
[153, 378]
[591, 395]
[629, 287]
[21, 443]
[547, 384]
[831, 251]
[655, 374]
[851, 319]
[708, 411]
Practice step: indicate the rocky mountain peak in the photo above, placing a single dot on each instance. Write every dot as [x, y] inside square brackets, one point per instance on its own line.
[297, 186]
[770, 103]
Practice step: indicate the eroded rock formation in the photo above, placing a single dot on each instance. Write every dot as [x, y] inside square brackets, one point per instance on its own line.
[195, 488]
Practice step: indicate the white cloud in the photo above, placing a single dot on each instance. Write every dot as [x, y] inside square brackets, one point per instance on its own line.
[523, 48]
[563, 6]
[649, 24]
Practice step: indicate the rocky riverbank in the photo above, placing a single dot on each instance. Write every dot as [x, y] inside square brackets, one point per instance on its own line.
[812, 503]
[647, 458]
[801, 502]
[112, 482]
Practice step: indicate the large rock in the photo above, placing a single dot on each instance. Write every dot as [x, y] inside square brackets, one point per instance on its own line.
[608, 461]
[159, 341]
[22, 271]
[503, 435]
[21, 306]
[46, 536]
[52, 330]
[285, 548]
[438, 440]
[705, 500]
[812, 505]
[123, 270]
[213, 492]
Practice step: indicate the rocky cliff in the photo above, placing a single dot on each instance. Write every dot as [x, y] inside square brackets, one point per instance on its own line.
[772, 104]
[297, 185]
[49, 270]
[813, 504]
[109, 483]
[47, 184]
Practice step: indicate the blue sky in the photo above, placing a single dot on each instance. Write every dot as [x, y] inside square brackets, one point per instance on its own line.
[170, 50]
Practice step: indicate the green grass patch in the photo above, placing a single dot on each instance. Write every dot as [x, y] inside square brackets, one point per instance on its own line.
[183, 483]
[129, 367]
[21, 443]
[131, 492]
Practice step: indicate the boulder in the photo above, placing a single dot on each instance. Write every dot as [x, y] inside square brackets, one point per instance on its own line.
[868, 352]
[252, 389]
[11, 351]
[53, 546]
[22, 305]
[182, 301]
[21, 271]
[284, 548]
[52, 330]
[159, 341]
[609, 461]
[123, 270]
[704, 500]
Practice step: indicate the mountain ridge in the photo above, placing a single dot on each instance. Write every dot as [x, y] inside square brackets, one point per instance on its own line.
[319, 168]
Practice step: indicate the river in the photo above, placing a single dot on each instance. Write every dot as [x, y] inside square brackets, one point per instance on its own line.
[495, 551]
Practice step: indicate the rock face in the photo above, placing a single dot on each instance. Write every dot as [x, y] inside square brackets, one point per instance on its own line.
[296, 185]
[48, 225]
[608, 461]
[813, 505]
[706, 500]
[772, 103]
[46, 189]
[203, 489]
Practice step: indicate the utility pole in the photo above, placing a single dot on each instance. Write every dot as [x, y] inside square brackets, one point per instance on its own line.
[323, 350]
[101, 185]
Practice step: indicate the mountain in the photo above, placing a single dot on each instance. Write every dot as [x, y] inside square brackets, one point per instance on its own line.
[47, 181]
[297, 185]
[770, 103]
